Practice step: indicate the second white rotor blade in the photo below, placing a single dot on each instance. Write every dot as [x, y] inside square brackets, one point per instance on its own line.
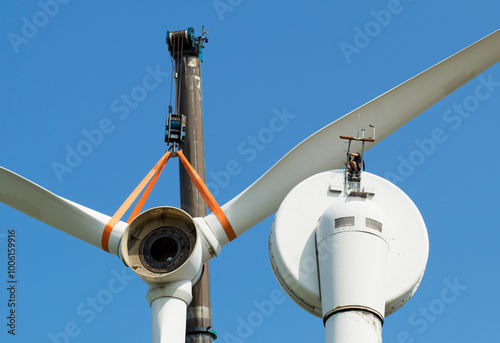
[322, 151]
[65, 215]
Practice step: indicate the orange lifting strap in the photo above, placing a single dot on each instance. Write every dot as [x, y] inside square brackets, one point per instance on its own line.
[153, 176]
[207, 196]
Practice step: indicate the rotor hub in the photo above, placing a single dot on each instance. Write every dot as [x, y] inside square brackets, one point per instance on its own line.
[162, 245]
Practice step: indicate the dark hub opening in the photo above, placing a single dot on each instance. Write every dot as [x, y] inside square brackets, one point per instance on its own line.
[164, 249]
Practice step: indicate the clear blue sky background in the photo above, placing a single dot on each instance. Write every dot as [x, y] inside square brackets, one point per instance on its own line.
[262, 56]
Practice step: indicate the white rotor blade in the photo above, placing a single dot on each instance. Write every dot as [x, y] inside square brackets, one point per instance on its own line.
[324, 150]
[65, 215]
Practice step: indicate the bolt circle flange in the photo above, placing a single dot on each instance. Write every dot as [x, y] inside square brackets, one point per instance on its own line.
[164, 249]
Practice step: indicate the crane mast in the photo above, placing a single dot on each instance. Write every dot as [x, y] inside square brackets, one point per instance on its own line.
[186, 126]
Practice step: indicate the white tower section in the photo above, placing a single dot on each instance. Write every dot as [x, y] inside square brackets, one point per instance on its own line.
[349, 257]
[354, 254]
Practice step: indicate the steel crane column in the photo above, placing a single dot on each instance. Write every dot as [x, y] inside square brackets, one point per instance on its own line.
[199, 315]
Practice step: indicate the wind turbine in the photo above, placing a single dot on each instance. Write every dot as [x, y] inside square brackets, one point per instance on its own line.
[313, 156]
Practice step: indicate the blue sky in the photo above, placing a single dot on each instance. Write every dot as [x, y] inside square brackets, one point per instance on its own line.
[64, 73]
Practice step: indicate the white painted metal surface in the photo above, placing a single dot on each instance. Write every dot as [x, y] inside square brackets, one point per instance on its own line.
[353, 327]
[168, 312]
[352, 258]
[388, 113]
[168, 320]
[292, 245]
[62, 214]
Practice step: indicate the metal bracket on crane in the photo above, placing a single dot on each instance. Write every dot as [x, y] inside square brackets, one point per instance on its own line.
[209, 330]
[185, 43]
[175, 128]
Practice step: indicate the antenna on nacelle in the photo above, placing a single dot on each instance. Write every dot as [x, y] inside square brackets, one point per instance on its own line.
[373, 127]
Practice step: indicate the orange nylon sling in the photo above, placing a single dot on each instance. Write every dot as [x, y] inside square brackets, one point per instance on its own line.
[151, 178]
[144, 197]
[131, 198]
[207, 196]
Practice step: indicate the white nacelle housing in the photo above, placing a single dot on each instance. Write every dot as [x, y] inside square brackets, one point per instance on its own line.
[321, 235]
